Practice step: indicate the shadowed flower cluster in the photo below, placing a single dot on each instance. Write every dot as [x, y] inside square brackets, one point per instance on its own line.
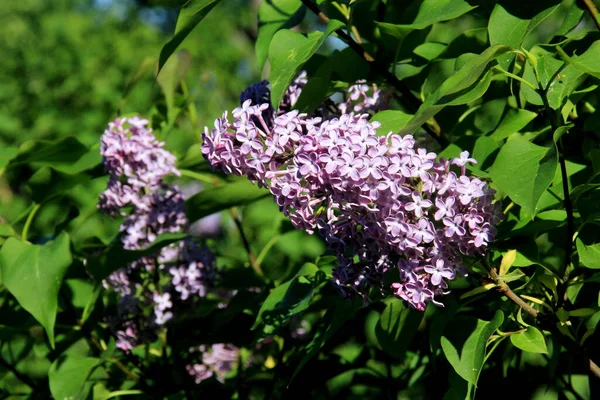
[216, 360]
[137, 165]
[380, 203]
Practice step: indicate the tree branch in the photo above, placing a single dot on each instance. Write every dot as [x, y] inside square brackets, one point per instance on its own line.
[507, 291]
[23, 378]
[408, 99]
[591, 7]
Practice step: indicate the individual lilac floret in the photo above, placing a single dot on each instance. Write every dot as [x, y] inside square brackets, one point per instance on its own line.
[218, 360]
[292, 94]
[362, 98]
[137, 166]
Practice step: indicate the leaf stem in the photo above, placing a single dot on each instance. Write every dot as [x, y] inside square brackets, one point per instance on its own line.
[29, 220]
[409, 100]
[238, 223]
[499, 69]
[553, 119]
[591, 7]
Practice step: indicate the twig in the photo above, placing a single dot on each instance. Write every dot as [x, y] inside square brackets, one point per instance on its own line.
[543, 92]
[23, 378]
[507, 291]
[594, 368]
[412, 103]
[238, 223]
[591, 7]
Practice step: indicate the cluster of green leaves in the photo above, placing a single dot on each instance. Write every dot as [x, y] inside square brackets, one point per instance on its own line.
[514, 83]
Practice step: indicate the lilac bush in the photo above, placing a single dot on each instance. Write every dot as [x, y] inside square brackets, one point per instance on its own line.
[379, 202]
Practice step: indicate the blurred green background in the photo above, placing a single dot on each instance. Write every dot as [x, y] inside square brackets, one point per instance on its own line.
[69, 66]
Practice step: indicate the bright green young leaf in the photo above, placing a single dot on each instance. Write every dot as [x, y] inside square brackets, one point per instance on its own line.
[222, 197]
[463, 87]
[531, 340]
[589, 256]
[391, 121]
[396, 328]
[191, 14]
[68, 377]
[289, 51]
[524, 171]
[274, 15]
[34, 273]
[464, 344]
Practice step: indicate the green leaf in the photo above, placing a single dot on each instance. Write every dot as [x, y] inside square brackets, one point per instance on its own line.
[6, 154]
[288, 299]
[588, 61]
[34, 273]
[430, 12]
[524, 171]
[513, 122]
[47, 183]
[116, 257]
[464, 344]
[462, 87]
[510, 30]
[288, 52]
[173, 72]
[589, 256]
[58, 154]
[190, 15]
[68, 377]
[273, 16]
[391, 121]
[396, 328]
[313, 94]
[531, 340]
[222, 197]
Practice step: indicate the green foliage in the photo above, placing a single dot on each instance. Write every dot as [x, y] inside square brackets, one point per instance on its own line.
[288, 52]
[514, 83]
[34, 273]
[524, 171]
[190, 15]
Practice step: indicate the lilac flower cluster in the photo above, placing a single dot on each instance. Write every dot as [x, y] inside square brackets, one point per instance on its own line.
[218, 360]
[137, 165]
[379, 202]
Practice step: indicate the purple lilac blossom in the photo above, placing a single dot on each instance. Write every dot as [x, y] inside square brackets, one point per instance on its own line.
[379, 202]
[137, 165]
[217, 360]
